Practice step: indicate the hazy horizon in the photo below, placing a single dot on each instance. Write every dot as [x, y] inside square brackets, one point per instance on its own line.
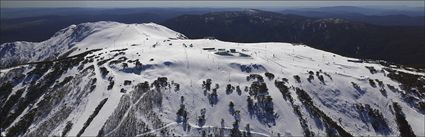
[208, 4]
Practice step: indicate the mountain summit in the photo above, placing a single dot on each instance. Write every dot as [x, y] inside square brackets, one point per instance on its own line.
[76, 39]
[114, 79]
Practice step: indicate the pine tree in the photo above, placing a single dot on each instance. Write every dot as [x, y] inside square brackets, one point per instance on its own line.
[181, 99]
[248, 130]
[231, 107]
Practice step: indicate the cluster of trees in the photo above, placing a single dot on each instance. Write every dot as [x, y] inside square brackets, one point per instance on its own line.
[372, 83]
[380, 83]
[412, 85]
[88, 59]
[269, 75]
[238, 90]
[235, 132]
[137, 66]
[176, 86]
[373, 116]
[5, 88]
[103, 71]
[381, 86]
[371, 69]
[142, 87]
[286, 94]
[261, 105]
[213, 96]
[264, 109]
[92, 116]
[206, 85]
[258, 88]
[329, 76]
[119, 50]
[358, 88]
[318, 75]
[229, 89]
[148, 99]
[119, 60]
[182, 114]
[127, 82]
[297, 78]
[310, 77]
[46, 74]
[255, 77]
[235, 113]
[303, 122]
[153, 95]
[284, 90]
[403, 125]
[249, 68]
[250, 105]
[67, 128]
[202, 119]
[160, 82]
[103, 61]
[332, 128]
[111, 83]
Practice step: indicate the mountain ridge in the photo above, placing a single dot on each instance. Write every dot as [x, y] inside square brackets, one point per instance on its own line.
[64, 41]
[145, 80]
[348, 38]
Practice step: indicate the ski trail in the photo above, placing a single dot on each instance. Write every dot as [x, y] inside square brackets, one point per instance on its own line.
[207, 126]
[154, 130]
[119, 36]
[196, 126]
[126, 113]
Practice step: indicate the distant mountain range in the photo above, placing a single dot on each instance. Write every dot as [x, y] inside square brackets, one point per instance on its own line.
[387, 20]
[38, 24]
[401, 44]
[392, 35]
[373, 11]
[387, 17]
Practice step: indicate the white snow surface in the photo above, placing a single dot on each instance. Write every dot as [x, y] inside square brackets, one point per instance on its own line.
[82, 37]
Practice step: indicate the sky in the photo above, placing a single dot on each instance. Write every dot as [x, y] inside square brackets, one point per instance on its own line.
[212, 4]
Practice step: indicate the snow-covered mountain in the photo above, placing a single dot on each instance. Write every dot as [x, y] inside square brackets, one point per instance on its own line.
[114, 79]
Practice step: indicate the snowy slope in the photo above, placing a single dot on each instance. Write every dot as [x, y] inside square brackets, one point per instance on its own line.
[96, 87]
[82, 37]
